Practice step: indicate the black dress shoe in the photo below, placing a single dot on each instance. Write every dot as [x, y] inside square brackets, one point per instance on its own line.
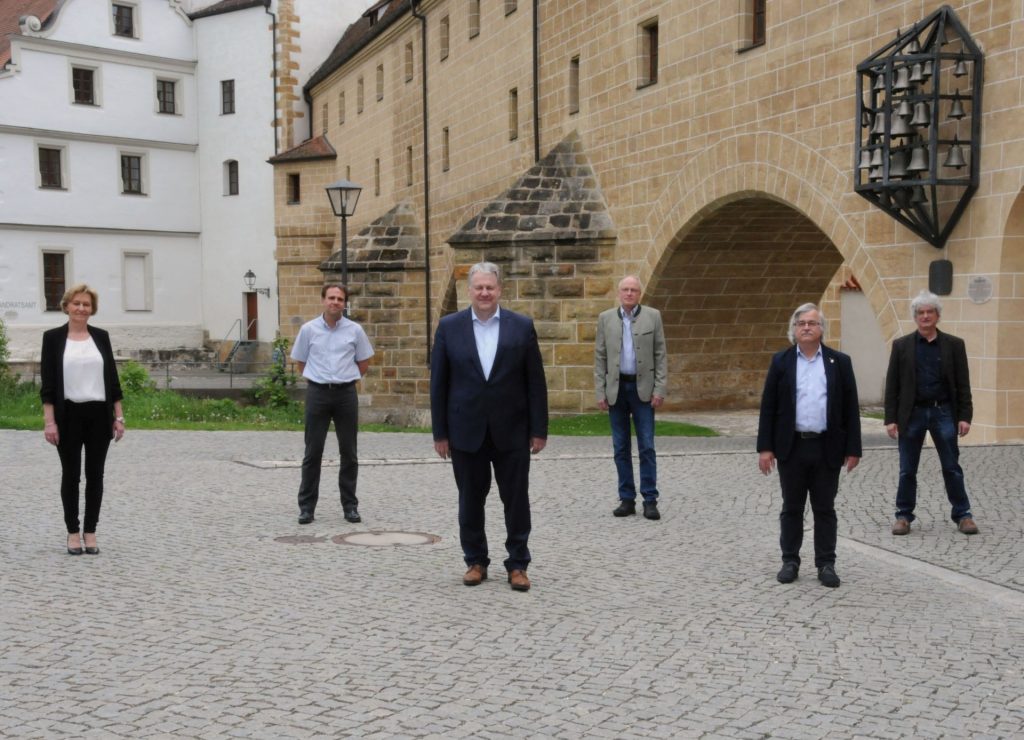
[788, 572]
[651, 510]
[827, 576]
[305, 517]
[626, 508]
[352, 515]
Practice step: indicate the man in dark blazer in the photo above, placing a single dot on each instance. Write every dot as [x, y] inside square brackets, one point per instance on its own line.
[928, 390]
[810, 425]
[489, 407]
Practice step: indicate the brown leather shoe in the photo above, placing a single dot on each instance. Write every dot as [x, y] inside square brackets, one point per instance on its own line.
[519, 580]
[476, 575]
[901, 526]
[967, 526]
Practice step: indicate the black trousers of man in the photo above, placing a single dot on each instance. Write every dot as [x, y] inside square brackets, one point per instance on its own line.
[473, 478]
[803, 475]
[326, 403]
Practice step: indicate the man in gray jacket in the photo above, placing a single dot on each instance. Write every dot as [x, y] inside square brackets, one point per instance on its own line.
[630, 378]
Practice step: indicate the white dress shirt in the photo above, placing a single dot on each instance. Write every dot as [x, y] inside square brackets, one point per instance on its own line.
[811, 392]
[486, 334]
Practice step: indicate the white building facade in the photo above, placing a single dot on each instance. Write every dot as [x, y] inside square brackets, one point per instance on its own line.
[134, 139]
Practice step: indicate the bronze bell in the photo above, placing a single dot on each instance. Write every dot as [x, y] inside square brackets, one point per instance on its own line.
[880, 81]
[875, 174]
[928, 69]
[917, 73]
[955, 159]
[904, 109]
[879, 127]
[918, 197]
[918, 160]
[956, 111]
[960, 69]
[898, 164]
[865, 160]
[876, 157]
[899, 127]
[922, 115]
[902, 197]
[902, 80]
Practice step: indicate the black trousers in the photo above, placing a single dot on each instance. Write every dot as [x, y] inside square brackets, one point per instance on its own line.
[85, 425]
[339, 404]
[473, 478]
[803, 475]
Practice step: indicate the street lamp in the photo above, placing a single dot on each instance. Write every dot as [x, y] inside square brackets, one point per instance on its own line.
[250, 280]
[343, 196]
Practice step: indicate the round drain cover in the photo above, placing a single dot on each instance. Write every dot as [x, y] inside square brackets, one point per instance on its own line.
[383, 539]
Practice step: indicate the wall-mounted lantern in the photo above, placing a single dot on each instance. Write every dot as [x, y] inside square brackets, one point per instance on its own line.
[918, 134]
[250, 280]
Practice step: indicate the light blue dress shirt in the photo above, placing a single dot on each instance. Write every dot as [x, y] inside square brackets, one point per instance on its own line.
[627, 358]
[486, 335]
[330, 353]
[811, 392]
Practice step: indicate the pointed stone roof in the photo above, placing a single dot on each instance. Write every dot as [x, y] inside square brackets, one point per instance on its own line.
[557, 200]
[392, 242]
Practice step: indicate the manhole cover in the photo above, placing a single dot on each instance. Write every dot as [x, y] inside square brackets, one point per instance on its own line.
[301, 539]
[383, 539]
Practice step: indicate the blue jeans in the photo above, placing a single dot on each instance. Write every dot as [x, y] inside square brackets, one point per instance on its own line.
[938, 421]
[629, 404]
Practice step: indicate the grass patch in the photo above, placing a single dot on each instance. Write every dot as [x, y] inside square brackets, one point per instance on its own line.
[598, 425]
[20, 408]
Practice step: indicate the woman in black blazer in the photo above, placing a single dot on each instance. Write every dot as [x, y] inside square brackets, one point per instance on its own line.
[81, 397]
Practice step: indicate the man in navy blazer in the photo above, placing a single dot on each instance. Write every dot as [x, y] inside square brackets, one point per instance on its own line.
[489, 407]
[810, 425]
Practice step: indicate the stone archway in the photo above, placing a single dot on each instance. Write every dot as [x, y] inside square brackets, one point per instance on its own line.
[726, 293]
[1009, 371]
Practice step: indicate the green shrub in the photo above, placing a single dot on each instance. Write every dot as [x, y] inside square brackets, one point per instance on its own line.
[135, 379]
[272, 389]
[8, 378]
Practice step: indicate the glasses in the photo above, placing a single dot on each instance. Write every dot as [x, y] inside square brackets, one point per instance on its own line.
[803, 324]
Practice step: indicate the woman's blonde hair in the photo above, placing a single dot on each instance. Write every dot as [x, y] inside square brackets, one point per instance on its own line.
[75, 290]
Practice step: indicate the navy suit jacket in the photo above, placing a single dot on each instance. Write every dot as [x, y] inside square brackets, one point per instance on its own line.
[777, 424]
[512, 405]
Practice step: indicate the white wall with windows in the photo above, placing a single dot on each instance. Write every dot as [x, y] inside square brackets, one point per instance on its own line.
[98, 185]
[111, 80]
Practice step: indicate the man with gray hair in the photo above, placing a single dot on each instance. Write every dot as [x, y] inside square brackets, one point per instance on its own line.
[810, 425]
[630, 379]
[928, 390]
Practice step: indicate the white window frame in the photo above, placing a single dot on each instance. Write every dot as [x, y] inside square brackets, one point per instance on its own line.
[136, 19]
[179, 94]
[65, 174]
[143, 172]
[97, 82]
[147, 285]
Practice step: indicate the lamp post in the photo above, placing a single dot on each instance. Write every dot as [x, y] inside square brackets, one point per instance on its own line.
[250, 280]
[343, 196]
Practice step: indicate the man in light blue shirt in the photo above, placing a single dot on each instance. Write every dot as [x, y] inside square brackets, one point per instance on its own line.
[332, 353]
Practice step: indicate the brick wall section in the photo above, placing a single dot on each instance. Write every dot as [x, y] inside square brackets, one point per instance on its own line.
[771, 124]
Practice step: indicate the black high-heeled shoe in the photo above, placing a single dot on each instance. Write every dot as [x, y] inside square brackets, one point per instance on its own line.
[94, 550]
[73, 550]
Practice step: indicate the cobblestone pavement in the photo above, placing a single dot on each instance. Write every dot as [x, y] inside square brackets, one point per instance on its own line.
[197, 620]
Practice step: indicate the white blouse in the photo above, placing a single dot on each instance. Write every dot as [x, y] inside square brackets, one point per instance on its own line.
[83, 371]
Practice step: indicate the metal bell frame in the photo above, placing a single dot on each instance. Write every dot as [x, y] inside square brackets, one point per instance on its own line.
[936, 69]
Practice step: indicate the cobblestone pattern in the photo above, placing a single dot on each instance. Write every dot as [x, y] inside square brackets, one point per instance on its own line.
[194, 622]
